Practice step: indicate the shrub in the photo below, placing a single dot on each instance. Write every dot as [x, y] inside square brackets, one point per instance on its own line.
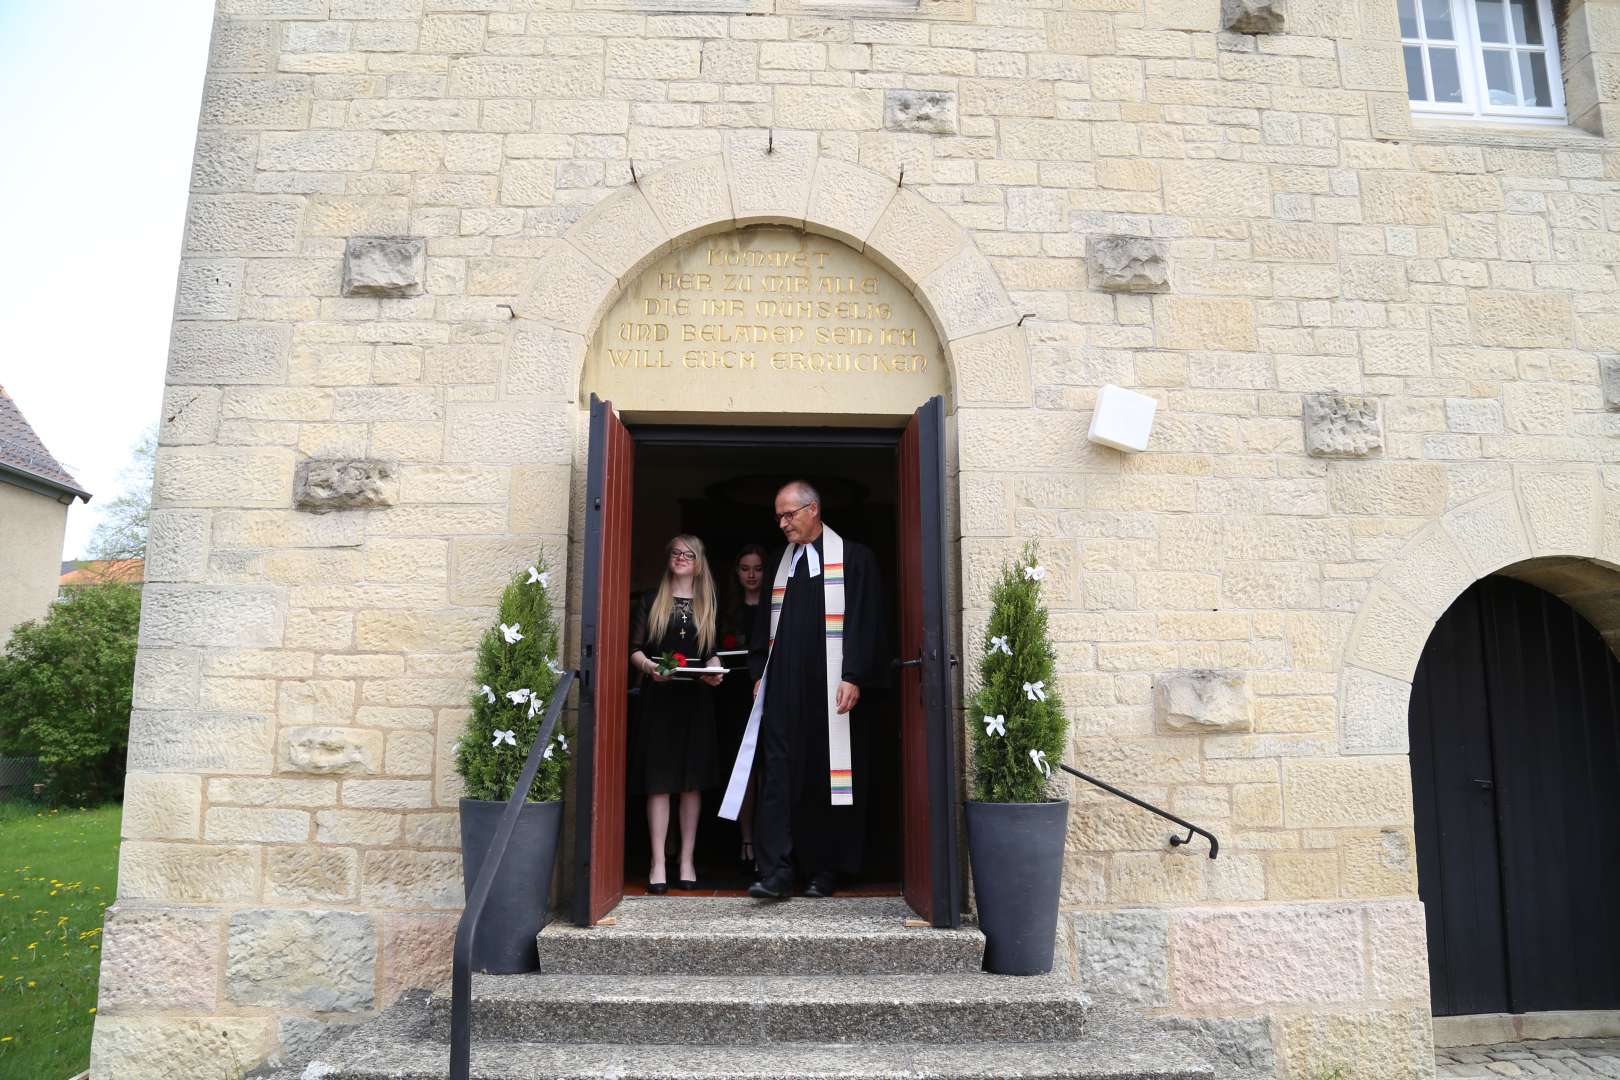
[503, 727]
[65, 686]
[1019, 728]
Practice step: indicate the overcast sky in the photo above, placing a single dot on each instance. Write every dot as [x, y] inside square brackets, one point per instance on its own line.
[98, 110]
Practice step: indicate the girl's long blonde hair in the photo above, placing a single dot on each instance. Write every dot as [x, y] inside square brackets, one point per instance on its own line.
[703, 603]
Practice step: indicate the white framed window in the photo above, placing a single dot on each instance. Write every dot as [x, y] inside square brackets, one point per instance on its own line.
[1495, 59]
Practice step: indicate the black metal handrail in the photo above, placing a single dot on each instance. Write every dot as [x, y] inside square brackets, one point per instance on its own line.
[467, 929]
[1175, 841]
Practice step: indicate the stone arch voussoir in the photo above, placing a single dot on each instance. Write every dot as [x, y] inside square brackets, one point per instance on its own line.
[1556, 526]
[579, 276]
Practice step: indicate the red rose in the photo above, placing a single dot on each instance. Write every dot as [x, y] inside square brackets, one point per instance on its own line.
[729, 641]
[680, 659]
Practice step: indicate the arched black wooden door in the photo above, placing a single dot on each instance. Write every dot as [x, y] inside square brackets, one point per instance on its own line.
[1515, 726]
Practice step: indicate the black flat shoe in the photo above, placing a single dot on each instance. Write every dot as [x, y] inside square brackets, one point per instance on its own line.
[821, 886]
[659, 889]
[769, 889]
[686, 883]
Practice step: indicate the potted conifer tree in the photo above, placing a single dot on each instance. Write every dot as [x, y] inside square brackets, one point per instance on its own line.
[1016, 824]
[516, 674]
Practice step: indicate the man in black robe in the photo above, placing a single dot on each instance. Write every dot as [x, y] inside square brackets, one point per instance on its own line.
[795, 824]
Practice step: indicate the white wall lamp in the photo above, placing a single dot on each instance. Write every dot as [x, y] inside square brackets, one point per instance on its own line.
[1122, 419]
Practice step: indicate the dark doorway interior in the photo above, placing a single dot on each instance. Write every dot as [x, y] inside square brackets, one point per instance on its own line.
[718, 484]
[1515, 729]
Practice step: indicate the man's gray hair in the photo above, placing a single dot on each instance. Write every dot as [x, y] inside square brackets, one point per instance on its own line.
[807, 492]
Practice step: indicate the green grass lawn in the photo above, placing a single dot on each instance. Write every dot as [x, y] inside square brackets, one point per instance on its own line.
[58, 873]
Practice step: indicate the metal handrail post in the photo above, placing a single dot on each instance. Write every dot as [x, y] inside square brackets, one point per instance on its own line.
[467, 929]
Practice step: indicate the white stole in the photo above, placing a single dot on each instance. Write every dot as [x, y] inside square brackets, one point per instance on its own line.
[840, 777]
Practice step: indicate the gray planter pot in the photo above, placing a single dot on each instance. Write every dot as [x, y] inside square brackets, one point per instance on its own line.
[517, 904]
[1017, 854]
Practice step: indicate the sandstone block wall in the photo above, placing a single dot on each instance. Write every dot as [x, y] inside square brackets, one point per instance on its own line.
[302, 675]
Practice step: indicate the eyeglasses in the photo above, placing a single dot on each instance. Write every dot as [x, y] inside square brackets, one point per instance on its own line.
[682, 555]
[782, 519]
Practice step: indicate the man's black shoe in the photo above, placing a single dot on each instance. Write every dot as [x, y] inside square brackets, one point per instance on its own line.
[821, 886]
[770, 889]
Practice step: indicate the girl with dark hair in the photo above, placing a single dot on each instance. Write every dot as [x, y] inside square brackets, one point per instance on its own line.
[743, 592]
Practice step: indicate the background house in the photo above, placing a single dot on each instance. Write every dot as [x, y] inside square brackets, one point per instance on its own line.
[35, 493]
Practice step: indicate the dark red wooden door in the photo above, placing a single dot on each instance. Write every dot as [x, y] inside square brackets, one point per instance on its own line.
[604, 669]
[930, 875]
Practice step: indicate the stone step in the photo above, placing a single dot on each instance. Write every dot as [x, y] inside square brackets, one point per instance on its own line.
[668, 935]
[635, 1009]
[401, 1045]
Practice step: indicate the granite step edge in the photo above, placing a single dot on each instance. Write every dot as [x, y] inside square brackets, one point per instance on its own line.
[696, 953]
[382, 1056]
[740, 1010]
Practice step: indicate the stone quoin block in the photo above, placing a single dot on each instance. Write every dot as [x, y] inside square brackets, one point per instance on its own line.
[323, 484]
[1202, 700]
[1341, 425]
[292, 959]
[925, 112]
[384, 265]
[1132, 264]
[1254, 16]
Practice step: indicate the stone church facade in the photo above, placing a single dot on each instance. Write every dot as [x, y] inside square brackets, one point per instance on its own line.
[1381, 347]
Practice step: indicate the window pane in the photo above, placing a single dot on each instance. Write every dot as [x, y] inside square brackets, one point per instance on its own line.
[1408, 13]
[1447, 82]
[1437, 20]
[1499, 78]
[1415, 90]
[1526, 21]
[1492, 21]
[1533, 77]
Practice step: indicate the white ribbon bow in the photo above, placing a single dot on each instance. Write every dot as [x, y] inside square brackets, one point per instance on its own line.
[508, 737]
[1039, 758]
[518, 697]
[1034, 573]
[534, 577]
[995, 725]
[510, 633]
[999, 644]
[563, 741]
[487, 692]
[551, 665]
[547, 754]
[535, 705]
[1036, 690]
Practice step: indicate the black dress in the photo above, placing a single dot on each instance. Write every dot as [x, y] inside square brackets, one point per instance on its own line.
[672, 742]
[735, 698]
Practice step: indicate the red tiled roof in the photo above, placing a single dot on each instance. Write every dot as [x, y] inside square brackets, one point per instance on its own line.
[22, 452]
[100, 571]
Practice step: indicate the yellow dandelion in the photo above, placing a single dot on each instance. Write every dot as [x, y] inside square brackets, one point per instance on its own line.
[33, 945]
[32, 984]
[5, 1038]
[92, 1009]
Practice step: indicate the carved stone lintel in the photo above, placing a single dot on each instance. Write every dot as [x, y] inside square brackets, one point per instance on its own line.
[930, 112]
[1341, 425]
[1253, 16]
[325, 484]
[1131, 264]
[384, 265]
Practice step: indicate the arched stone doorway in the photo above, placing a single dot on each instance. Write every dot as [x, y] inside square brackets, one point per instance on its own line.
[966, 329]
[1515, 751]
